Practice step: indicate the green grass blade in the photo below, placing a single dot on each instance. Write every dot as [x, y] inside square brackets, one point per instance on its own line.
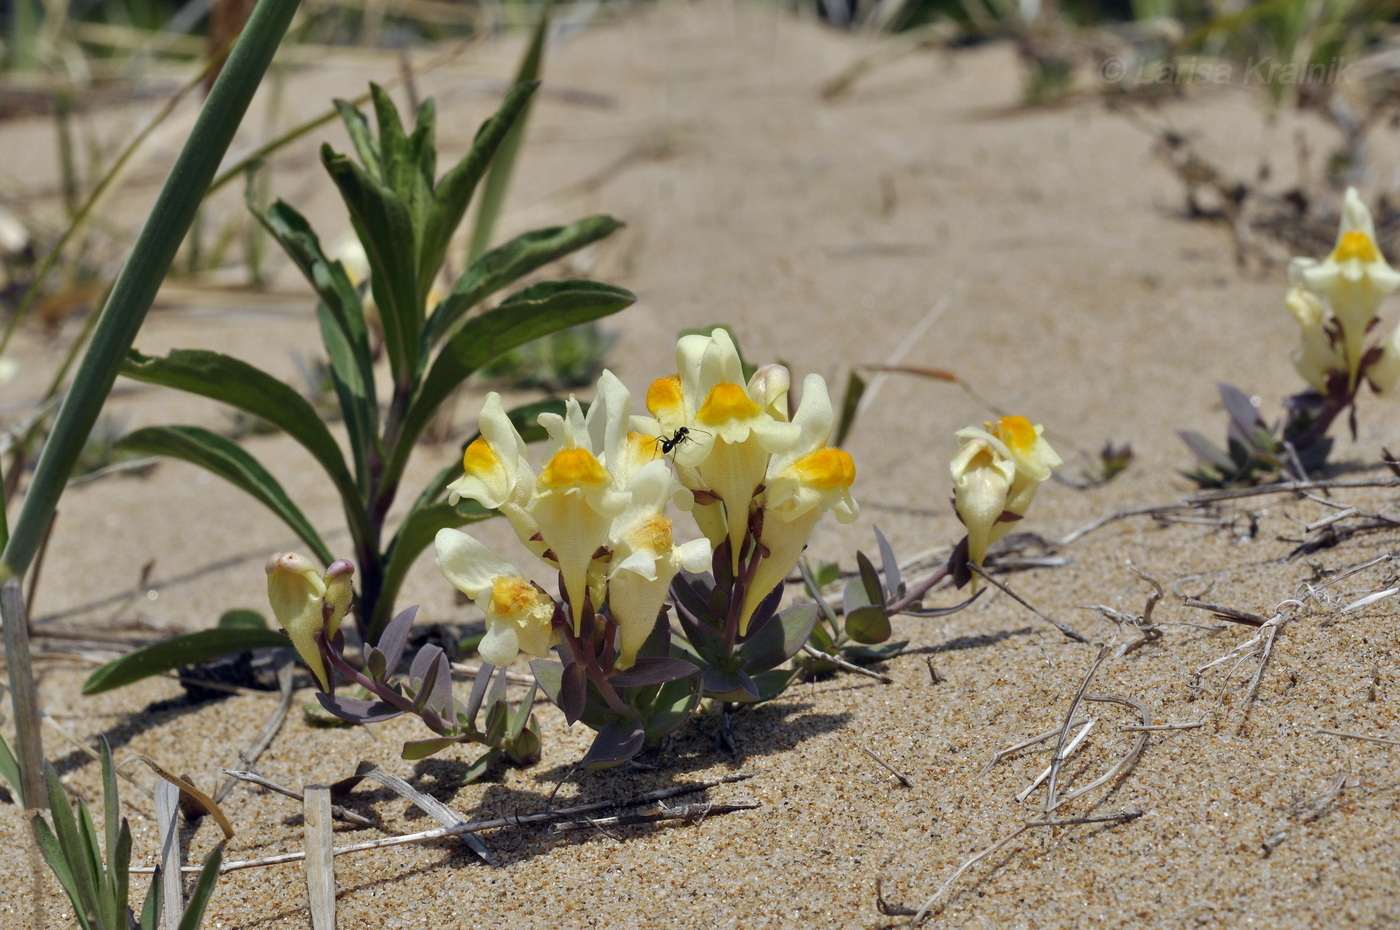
[9, 770]
[136, 286]
[150, 909]
[493, 193]
[228, 460]
[203, 891]
[71, 849]
[510, 262]
[53, 854]
[188, 649]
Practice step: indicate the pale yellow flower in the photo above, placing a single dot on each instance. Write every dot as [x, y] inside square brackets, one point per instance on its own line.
[519, 616]
[995, 476]
[306, 602]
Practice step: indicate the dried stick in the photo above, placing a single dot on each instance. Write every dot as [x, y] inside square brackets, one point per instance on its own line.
[340, 813]
[1370, 739]
[888, 768]
[687, 812]
[269, 731]
[477, 826]
[1069, 632]
[1210, 497]
[1123, 763]
[844, 665]
[1058, 759]
[1122, 817]
[1026, 744]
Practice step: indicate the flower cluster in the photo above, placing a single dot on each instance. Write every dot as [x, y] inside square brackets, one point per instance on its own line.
[755, 474]
[995, 475]
[1336, 303]
[595, 512]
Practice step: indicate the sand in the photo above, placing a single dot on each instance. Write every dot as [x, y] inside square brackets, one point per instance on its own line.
[1047, 251]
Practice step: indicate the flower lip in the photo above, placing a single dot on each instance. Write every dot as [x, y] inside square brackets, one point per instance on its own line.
[727, 402]
[1355, 245]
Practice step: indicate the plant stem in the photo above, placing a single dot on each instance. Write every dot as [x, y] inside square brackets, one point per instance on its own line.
[385, 693]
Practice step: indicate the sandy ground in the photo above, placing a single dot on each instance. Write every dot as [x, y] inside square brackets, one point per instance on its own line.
[1045, 249]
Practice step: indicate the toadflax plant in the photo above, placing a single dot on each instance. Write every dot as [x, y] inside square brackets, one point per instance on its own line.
[404, 217]
[754, 480]
[1336, 303]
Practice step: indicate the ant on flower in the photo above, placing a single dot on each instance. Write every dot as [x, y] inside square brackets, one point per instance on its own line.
[668, 444]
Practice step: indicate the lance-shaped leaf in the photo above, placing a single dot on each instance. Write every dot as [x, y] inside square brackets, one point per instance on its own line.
[384, 656]
[178, 651]
[382, 221]
[252, 390]
[511, 262]
[537, 311]
[454, 191]
[226, 458]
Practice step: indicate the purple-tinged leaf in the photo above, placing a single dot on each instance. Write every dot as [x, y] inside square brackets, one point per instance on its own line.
[870, 578]
[616, 742]
[941, 611]
[1244, 416]
[653, 671]
[483, 681]
[1208, 451]
[393, 639]
[780, 640]
[356, 710]
[573, 692]
[431, 678]
[765, 611]
[890, 564]
[729, 685]
[550, 677]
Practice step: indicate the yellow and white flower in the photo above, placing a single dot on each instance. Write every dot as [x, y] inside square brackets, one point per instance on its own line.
[801, 484]
[733, 429]
[645, 558]
[1353, 279]
[519, 616]
[306, 602]
[995, 476]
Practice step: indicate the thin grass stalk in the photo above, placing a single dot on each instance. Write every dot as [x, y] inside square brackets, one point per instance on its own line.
[80, 217]
[29, 747]
[497, 182]
[140, 279]
[26, 26]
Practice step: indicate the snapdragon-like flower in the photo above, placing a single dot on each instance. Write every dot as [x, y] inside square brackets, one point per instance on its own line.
[306, 602]
[519, 616]
[645, 558]
[801, 484]
[995, 476]
[1353, 280]
[732, 429]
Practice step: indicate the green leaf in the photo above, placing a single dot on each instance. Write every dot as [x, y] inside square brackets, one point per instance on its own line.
[241, 618]
[203, 891]
[875, 653]
[850, 403]
[9, 770]
[226, 459]
[361, 136]
[382, 221]
[511, 262]
[454, 191]
[181, 650]
[478, 768]
[536, 311]
[493, 194]
[868, 625]
[252, 390]
[150, 909]
[413, 750]
[54, 855]
[773, 683]
[71, 850]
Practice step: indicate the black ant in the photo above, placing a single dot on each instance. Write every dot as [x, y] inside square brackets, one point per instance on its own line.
[681, 436]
